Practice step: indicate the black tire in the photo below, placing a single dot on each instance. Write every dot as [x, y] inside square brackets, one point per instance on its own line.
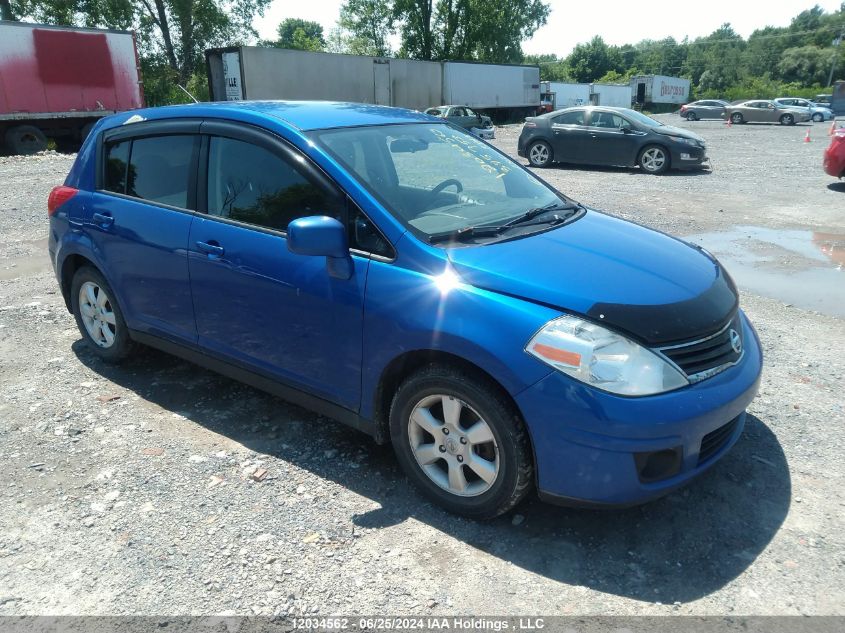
[692, 116]
[737, 118]
[537, 150]
[515, 474]
[25, 140]
[122, 346]
[818, 117]
[649, 162]
[787, 119]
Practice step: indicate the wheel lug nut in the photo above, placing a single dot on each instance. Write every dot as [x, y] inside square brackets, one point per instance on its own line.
[442, 448]
[460, 458]
[445, 431]
[463, 440]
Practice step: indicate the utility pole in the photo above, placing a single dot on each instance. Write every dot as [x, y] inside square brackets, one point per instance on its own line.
[836, 44]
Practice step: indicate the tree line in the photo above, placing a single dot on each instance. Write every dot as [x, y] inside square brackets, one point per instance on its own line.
[173, 35]
[773, 61]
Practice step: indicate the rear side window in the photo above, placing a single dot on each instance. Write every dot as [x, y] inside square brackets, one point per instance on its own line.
[251, 184]
[570, 118]
[155, 168]
[159, 169]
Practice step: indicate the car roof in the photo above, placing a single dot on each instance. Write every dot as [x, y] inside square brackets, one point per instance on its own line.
[589, 108]
[301, 115]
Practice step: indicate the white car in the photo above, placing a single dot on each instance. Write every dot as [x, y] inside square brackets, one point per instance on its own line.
[817, 112]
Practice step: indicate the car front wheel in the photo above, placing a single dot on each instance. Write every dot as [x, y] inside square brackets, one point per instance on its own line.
[460, 440]
[818, 117]
[540, 154]
[654, 159]
[98, 316]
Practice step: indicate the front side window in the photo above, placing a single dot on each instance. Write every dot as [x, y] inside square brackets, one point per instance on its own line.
[609, 120]
[159, 169]
[249, 183]
[434, 178]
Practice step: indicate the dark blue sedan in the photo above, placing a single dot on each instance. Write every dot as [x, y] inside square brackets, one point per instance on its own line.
[609, 136]
[390, 270]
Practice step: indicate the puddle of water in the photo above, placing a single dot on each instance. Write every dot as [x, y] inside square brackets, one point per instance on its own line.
[804, 268]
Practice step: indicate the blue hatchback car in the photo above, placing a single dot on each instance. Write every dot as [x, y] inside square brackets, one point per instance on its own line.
[391, 271]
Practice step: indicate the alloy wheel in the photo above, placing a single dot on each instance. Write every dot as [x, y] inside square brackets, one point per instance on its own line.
[653, 159]
[97, 314]
[453, 445]
[539, 154]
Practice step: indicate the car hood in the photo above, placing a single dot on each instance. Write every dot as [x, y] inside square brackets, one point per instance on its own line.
[670, 130]
[654, 287]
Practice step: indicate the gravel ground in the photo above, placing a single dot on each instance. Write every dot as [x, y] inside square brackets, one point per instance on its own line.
[131, 490]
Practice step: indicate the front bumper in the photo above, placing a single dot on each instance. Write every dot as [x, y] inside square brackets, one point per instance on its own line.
[590, 445]
[689, 157]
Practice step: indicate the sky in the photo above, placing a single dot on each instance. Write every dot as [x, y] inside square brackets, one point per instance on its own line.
[617, 21]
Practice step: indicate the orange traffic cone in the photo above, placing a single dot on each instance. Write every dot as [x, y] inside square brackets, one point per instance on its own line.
[832, 129]
[728, 122]
[807, 136]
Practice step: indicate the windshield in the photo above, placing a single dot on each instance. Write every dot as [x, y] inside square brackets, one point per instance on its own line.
[640, 118]
[437, 179]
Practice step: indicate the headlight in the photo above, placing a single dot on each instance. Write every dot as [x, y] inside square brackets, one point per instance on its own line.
[683, 139]
[604, 359]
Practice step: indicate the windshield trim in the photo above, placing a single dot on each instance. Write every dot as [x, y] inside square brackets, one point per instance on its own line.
[314, 137]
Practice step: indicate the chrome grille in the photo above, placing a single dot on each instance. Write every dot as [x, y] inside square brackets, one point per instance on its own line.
[706, 357]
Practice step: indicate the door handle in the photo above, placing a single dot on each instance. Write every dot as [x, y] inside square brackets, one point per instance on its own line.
[105, 220]
[210, 249]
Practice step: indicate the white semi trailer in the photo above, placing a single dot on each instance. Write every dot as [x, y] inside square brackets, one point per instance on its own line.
[251, 72]
[659, 89]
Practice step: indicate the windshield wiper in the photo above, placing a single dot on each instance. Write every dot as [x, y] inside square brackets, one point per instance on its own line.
[458, 235]
[493, 230]
[537, 211]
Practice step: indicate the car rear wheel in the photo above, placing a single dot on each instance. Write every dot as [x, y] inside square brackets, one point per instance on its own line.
[540, 154]
[736, 118]
[818, 117]
[787, 119]
[692, 116]
[98, 316]
[654, 159]
[460, 440]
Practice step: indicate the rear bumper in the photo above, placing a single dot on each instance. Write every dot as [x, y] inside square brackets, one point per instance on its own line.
[486, 133]
[596, 449]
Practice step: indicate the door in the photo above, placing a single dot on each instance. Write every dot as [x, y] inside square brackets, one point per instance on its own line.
[381, 82]
[257, 303]
[611, 140]
[569, 134]
[139, 221]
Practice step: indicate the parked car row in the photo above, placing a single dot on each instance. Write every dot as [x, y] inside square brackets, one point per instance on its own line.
[784, 110]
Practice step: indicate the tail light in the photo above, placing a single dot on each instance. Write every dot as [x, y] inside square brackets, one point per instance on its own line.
[530, 124]
[683, 108]
[58, 196]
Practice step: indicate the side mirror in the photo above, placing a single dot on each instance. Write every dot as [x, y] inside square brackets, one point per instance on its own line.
[627, 130]
[320, 235]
